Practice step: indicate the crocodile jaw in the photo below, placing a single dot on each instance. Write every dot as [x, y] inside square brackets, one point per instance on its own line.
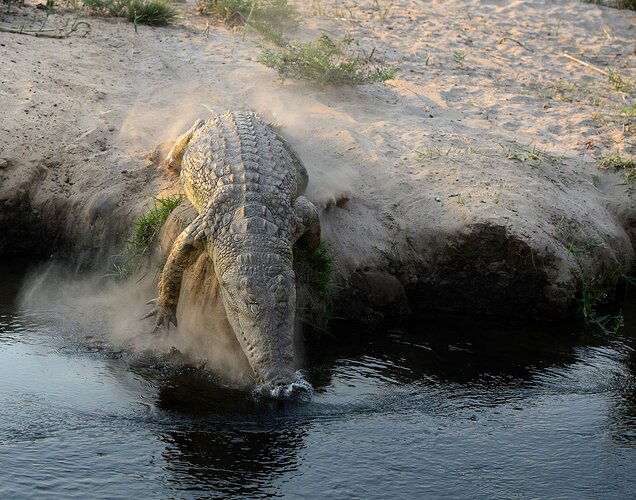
[260, 309]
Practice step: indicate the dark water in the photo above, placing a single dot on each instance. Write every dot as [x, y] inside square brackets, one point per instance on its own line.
[448, 410]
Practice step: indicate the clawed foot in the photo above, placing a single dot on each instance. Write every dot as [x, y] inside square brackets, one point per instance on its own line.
[164, 316]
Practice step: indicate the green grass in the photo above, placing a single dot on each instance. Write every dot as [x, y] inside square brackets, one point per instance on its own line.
[271, 18]
[453, 153]
[628, 111]
[617, 4]
[532, 155]
[630, 280]
[314, 270]
[459, 57]
[618, 82]
[590, 297]
[147, 228]
[151, 12]
[616, 161]
[325, 61]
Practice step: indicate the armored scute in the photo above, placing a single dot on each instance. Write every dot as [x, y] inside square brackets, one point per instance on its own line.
[246, 184]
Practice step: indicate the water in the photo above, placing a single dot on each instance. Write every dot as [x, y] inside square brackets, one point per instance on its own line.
[444, 411]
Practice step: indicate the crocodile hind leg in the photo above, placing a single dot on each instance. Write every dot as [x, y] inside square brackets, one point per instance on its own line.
[173, 160]
[185, 251]
[306, 229]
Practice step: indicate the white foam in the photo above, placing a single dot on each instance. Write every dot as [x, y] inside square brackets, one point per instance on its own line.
[299, 388]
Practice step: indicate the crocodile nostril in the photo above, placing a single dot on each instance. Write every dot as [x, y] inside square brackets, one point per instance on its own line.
[278, 383]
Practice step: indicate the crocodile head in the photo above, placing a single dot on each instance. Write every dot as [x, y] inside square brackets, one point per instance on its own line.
[260, 306]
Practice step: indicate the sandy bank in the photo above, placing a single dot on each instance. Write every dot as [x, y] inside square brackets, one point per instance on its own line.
[473, 182]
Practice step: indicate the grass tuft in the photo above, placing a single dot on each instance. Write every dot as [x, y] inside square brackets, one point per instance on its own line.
[618, 82]
[617, 4]
[590, 298]
[271, 18]
[616, 162]
[459, 57]
[151, 12]
[532, 155]
[314, 270]
[325, 61]
[628, 111]
[452, 153]
[147, 228]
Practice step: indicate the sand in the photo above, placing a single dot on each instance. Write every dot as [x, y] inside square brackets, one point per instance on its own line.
[472, 178]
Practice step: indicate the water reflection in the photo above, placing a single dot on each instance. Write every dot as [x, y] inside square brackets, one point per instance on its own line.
[455, 350]
[424, 399]
[623, 410]
[239, 448]
[232, 458]
[230, 443]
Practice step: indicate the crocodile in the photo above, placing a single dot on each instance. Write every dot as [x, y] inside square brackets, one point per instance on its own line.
[247, 186]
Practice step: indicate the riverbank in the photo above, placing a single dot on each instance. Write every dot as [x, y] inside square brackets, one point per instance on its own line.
[472, 182]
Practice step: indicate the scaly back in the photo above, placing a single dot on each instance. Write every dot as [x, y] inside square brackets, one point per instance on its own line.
[236, 158]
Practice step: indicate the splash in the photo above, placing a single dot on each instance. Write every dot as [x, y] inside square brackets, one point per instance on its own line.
[300, 388]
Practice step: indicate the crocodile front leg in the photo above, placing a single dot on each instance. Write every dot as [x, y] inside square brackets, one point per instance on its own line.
[307, 225]
[185, 251]
[173, 160]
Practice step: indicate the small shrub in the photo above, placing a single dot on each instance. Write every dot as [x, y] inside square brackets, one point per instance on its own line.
[108, 8]
[617, 4]
[590, 298]
[325, 61]
[269, 17]
[616, 162]
[459, 57]
[8, 3]
[147, 228]
[618, 83]
[314, 270]
[151, 12]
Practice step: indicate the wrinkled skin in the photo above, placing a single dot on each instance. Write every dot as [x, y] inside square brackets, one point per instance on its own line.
[246, 185]
[260, 310]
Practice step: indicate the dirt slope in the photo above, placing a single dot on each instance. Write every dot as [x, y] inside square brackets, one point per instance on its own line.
[473, 178]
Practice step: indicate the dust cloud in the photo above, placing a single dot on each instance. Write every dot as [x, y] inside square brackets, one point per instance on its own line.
[101, 307]
[320, 135]
[161, 114]
[96, 309]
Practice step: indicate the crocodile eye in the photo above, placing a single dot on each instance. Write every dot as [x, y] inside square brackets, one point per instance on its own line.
[254, 308]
